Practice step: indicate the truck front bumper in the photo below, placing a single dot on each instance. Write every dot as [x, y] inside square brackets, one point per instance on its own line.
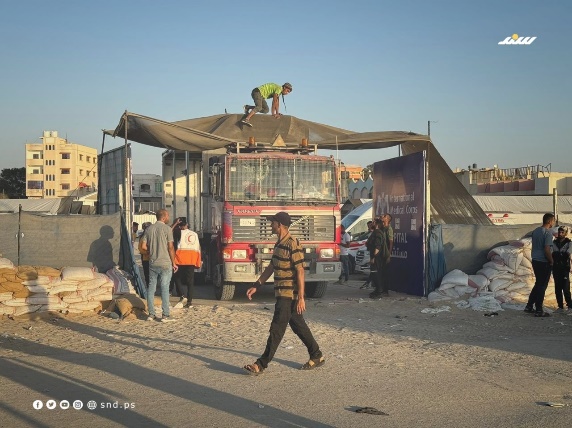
[250, 271]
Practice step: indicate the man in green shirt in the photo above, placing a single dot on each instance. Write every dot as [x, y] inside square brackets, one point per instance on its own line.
[260, 95]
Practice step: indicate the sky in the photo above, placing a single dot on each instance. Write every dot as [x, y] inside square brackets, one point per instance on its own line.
[76, 66]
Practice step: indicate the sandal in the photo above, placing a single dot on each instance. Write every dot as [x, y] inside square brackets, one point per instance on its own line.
[312, 364]
[253, 369]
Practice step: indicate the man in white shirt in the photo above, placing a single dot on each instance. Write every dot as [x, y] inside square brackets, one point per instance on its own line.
[344, 255]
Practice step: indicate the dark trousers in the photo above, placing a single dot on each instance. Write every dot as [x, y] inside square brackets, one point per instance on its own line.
[382, 285]
[260, 105]
[562, 286]
[185, 280]
[542, 271]
[284, 314]
[345, 275]
[145, 264]
[372, 278]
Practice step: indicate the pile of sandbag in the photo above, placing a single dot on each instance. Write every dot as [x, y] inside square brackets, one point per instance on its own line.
[26, 289]
[507, 276]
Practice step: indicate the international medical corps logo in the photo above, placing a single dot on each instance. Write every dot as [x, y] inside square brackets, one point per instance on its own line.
[515, 39]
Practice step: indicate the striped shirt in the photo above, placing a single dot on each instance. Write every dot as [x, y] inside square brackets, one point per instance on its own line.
[287, 256]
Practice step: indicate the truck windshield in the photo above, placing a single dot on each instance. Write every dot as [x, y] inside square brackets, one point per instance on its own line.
[267, 178]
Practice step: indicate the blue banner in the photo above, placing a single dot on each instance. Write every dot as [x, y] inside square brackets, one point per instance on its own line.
[399, 190]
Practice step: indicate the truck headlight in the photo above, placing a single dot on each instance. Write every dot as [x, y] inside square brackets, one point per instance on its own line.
[326, 253]
[238, 254]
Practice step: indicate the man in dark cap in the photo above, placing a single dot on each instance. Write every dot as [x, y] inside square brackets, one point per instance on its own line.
[260, 95]
[287, 265]
[561, 250]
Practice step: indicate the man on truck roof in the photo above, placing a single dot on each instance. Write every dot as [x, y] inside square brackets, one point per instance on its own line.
[260, 95]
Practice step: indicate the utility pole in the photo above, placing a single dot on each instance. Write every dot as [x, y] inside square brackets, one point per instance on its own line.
[429, 126]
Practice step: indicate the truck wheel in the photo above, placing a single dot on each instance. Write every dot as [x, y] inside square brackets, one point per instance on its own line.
[316, 289]
[222, 291]
[225, 292]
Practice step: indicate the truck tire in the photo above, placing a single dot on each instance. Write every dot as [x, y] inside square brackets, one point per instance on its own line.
[316, 289]
[223, 291]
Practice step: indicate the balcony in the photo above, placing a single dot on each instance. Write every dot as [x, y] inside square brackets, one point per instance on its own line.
[34, 162]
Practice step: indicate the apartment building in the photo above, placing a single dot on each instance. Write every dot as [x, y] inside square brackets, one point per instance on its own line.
[147, 192]
[56, 168]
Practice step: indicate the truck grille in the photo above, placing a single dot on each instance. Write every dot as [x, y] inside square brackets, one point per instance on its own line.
[305, 228]
[360, 255]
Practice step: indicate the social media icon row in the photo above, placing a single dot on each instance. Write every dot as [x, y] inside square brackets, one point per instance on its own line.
[52, 404]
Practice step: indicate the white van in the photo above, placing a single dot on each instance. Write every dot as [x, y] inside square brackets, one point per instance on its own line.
[356, 220]
[355, 223]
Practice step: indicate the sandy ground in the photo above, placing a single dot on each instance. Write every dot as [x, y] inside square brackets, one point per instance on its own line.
[453, 369]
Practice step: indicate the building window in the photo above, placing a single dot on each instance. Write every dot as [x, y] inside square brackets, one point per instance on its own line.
[65, 186]
[65, 171]
[35, 185]
[94, 159]
[87, 173]
[36, 156]
[35, 171]
[81, 172]
[145, 188]
[158, 187]
[88, 158]
[80, 157]
[66, 156]
[94, 174]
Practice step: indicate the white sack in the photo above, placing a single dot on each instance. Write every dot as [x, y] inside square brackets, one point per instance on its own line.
[479, 281]
[77, 273]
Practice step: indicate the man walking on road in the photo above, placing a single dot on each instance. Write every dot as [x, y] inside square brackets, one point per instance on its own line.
[287, 264]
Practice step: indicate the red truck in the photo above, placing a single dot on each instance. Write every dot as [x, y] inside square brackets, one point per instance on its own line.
[243, 186]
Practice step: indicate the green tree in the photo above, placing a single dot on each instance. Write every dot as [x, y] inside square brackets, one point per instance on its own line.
[13, 183]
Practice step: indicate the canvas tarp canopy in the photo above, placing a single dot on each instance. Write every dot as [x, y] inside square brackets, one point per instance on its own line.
[450, 202]
[214, 132]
